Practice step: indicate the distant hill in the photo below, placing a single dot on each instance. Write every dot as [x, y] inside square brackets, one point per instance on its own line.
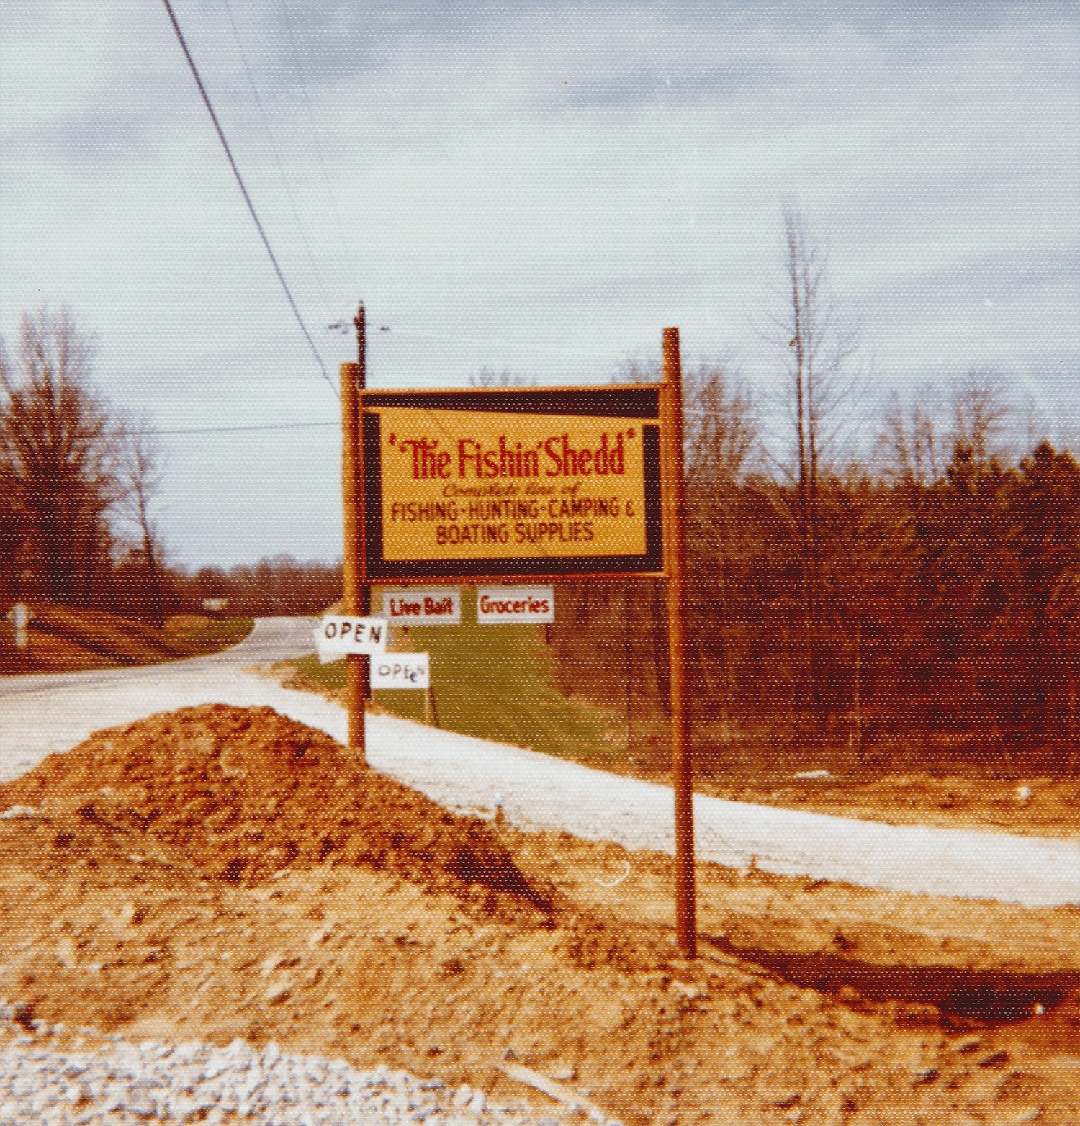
[63, 639]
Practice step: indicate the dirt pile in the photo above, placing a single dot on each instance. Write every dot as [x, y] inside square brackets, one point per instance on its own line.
[363, 965]
[243, 793]
[164, 880]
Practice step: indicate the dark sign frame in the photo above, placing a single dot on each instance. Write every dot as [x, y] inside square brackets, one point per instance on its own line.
[642, 403]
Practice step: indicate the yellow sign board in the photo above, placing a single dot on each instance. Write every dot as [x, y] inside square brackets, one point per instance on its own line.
[496, 483]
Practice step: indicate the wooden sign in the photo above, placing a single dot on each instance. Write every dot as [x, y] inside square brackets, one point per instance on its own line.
[476, 484]
[513, 485]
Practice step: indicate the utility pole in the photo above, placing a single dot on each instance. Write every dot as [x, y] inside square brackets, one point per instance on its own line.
[357, 594]
[681, 758]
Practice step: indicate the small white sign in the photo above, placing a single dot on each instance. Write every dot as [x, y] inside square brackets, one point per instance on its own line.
[337, 636]
[511, 605]
[400, 670]
[434, 606]
[20, 616]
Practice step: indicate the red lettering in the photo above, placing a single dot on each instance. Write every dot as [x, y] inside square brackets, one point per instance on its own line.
[617, 457]
[600, 458]
[464, 455]
[551, 449]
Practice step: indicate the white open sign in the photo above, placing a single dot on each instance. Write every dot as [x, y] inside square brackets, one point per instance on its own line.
[338, 636]
[400, 670]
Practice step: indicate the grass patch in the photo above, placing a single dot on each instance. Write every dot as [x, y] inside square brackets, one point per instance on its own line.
[491, 682]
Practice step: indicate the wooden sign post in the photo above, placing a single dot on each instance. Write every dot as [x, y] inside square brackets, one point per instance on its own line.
[520, 487]
[675, 537]
[357, 594]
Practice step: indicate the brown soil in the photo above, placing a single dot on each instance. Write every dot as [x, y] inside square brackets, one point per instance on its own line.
[240, 793]
[447, 945]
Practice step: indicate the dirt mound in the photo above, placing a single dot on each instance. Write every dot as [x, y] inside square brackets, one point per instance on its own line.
[242, 793]
[809, 1003]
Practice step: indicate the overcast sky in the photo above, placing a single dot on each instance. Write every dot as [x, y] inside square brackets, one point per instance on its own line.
[534, 187]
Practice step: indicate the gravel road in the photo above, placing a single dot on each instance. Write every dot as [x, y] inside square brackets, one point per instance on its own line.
[272, 639]
[538, 791]
[44, 1082]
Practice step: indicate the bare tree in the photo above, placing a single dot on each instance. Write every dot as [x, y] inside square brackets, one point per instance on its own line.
[140, 480]
[721, 425]
[1066, 429]
[982, 417]
[12, 534]
[722, 443]
[61, 446]
[820, 386]
[638, 369]
[488, 377]
[912, 443]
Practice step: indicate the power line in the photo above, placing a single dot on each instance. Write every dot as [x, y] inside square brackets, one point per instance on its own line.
[244, 192]
[237, 429]
[317, 425]
[314, 131]
[277, 154]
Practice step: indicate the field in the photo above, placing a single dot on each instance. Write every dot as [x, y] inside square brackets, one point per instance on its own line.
[491, 682]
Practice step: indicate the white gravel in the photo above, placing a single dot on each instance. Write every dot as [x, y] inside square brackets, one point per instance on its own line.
[157, 1082]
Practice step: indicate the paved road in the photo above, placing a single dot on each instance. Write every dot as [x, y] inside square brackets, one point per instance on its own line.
[272, 639]
[541, 792]
[50, 712]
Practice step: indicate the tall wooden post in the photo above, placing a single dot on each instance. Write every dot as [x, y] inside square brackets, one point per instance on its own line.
[357, 595]
[674, 521]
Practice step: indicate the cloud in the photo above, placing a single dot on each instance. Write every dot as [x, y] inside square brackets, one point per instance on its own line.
[528, 185]
[80, 142]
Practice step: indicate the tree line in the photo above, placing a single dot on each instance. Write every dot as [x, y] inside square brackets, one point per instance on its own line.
[923, 609]
[915, 594]
[918, 601]
[76, 476]
[78, 480]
